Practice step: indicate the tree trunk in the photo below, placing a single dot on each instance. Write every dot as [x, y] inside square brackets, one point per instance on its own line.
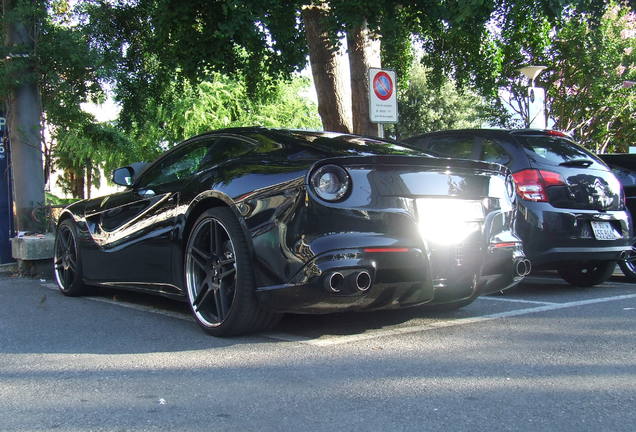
[78, 184]
[364, 53]
[326, 68]
[89, 179]
[23, 121]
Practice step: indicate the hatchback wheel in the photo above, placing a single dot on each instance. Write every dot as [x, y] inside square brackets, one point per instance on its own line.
[628, 265]
[588, 273]
[67, 265]
[219, 278]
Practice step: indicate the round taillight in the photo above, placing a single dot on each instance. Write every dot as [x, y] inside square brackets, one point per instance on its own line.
[330, 182]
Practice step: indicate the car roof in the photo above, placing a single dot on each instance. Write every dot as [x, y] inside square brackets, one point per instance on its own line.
[489, 131]
[307, 132]
[320, 140]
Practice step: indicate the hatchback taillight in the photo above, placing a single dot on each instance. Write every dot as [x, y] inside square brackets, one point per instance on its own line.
[531, 184]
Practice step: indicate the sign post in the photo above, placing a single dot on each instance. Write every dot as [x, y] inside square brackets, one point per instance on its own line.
[6, 214]
[382, 98]
[536, 108]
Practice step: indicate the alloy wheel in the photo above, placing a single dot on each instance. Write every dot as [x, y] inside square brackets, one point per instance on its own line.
[211, 272]
[628, 265]
[65, 261]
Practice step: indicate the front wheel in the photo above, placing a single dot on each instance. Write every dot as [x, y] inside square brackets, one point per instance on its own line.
[219, 279]
[587, 274]
[628, 265]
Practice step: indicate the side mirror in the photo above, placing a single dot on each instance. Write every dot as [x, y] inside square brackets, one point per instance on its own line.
[123, 176]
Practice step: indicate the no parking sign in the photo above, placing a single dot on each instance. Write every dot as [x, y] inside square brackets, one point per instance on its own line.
[382, 96]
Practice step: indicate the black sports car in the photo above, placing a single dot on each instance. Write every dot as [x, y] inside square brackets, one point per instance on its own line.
[244, 224]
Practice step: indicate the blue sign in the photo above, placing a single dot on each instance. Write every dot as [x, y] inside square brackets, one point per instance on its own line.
[6, 215]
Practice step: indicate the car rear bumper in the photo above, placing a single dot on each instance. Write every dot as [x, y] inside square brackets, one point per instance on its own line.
[398, 278]
[551, 235]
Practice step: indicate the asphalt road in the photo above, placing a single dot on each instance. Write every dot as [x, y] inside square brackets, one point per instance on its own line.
[543, 357]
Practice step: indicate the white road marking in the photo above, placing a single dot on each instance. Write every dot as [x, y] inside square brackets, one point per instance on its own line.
[555, 280]
[374, 334]
[513, 300]
[132, 306]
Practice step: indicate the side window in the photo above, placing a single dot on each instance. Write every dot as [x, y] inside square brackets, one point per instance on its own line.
[459, 147]
[491, 151]
[177, 166]
[223, 149]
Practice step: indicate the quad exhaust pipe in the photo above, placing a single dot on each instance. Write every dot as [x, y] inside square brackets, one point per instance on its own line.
[522, 267]
[350, 282]
[334, 282]
[363, 281]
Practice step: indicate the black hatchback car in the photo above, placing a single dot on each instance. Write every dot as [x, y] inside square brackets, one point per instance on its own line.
[623, 165]
[572, 215]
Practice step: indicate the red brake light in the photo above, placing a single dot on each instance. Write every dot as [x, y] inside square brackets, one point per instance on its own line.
[551, 178]
[531, 184]
[556, 133]
[386, 250]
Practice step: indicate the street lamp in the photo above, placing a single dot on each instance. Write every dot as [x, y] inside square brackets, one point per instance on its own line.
[531, 72]
[536, 98]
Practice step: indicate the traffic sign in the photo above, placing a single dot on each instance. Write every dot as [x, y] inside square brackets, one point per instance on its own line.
[382, 96]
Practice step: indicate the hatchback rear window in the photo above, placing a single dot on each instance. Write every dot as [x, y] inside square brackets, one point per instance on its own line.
[558, 151]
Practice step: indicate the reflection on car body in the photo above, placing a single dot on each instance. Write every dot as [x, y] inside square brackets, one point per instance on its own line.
[245, 224]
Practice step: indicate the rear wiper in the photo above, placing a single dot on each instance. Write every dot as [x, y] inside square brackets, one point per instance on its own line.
[577, 162]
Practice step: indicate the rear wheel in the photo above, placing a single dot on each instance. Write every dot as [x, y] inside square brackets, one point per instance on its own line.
[67, 265]
[628, 265]
[219, 278]
[587, 273]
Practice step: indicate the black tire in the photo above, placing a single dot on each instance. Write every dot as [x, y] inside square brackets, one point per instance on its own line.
[219, 279]
[628, 265]
[587, 274]
[67, 263]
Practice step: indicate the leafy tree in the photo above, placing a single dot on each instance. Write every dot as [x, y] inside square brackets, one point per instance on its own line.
[219, 103]
[589, 68]
[425, 107]
[589, 52]
[154, 43]
[64, 71]
[85, 150]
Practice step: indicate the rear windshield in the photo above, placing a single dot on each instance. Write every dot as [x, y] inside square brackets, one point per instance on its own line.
[317, 145]
[343, 144]
[553, 150]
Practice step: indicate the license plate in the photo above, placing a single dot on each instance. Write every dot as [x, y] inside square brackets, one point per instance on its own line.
[603, 231]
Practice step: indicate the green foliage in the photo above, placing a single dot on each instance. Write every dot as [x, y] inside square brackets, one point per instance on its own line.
[153, 44]
[425, 107]
[62, 63]
[219, 103]
[86, 149]
[583, 44]
[590, 63]
[57, 201]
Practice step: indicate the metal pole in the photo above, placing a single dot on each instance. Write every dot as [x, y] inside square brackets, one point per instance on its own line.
[380, 130]
[23, 122]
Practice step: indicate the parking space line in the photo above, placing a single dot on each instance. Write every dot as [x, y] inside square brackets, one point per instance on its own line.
[339, 340]
[375, 334]
[131, 305]
[513, 300]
